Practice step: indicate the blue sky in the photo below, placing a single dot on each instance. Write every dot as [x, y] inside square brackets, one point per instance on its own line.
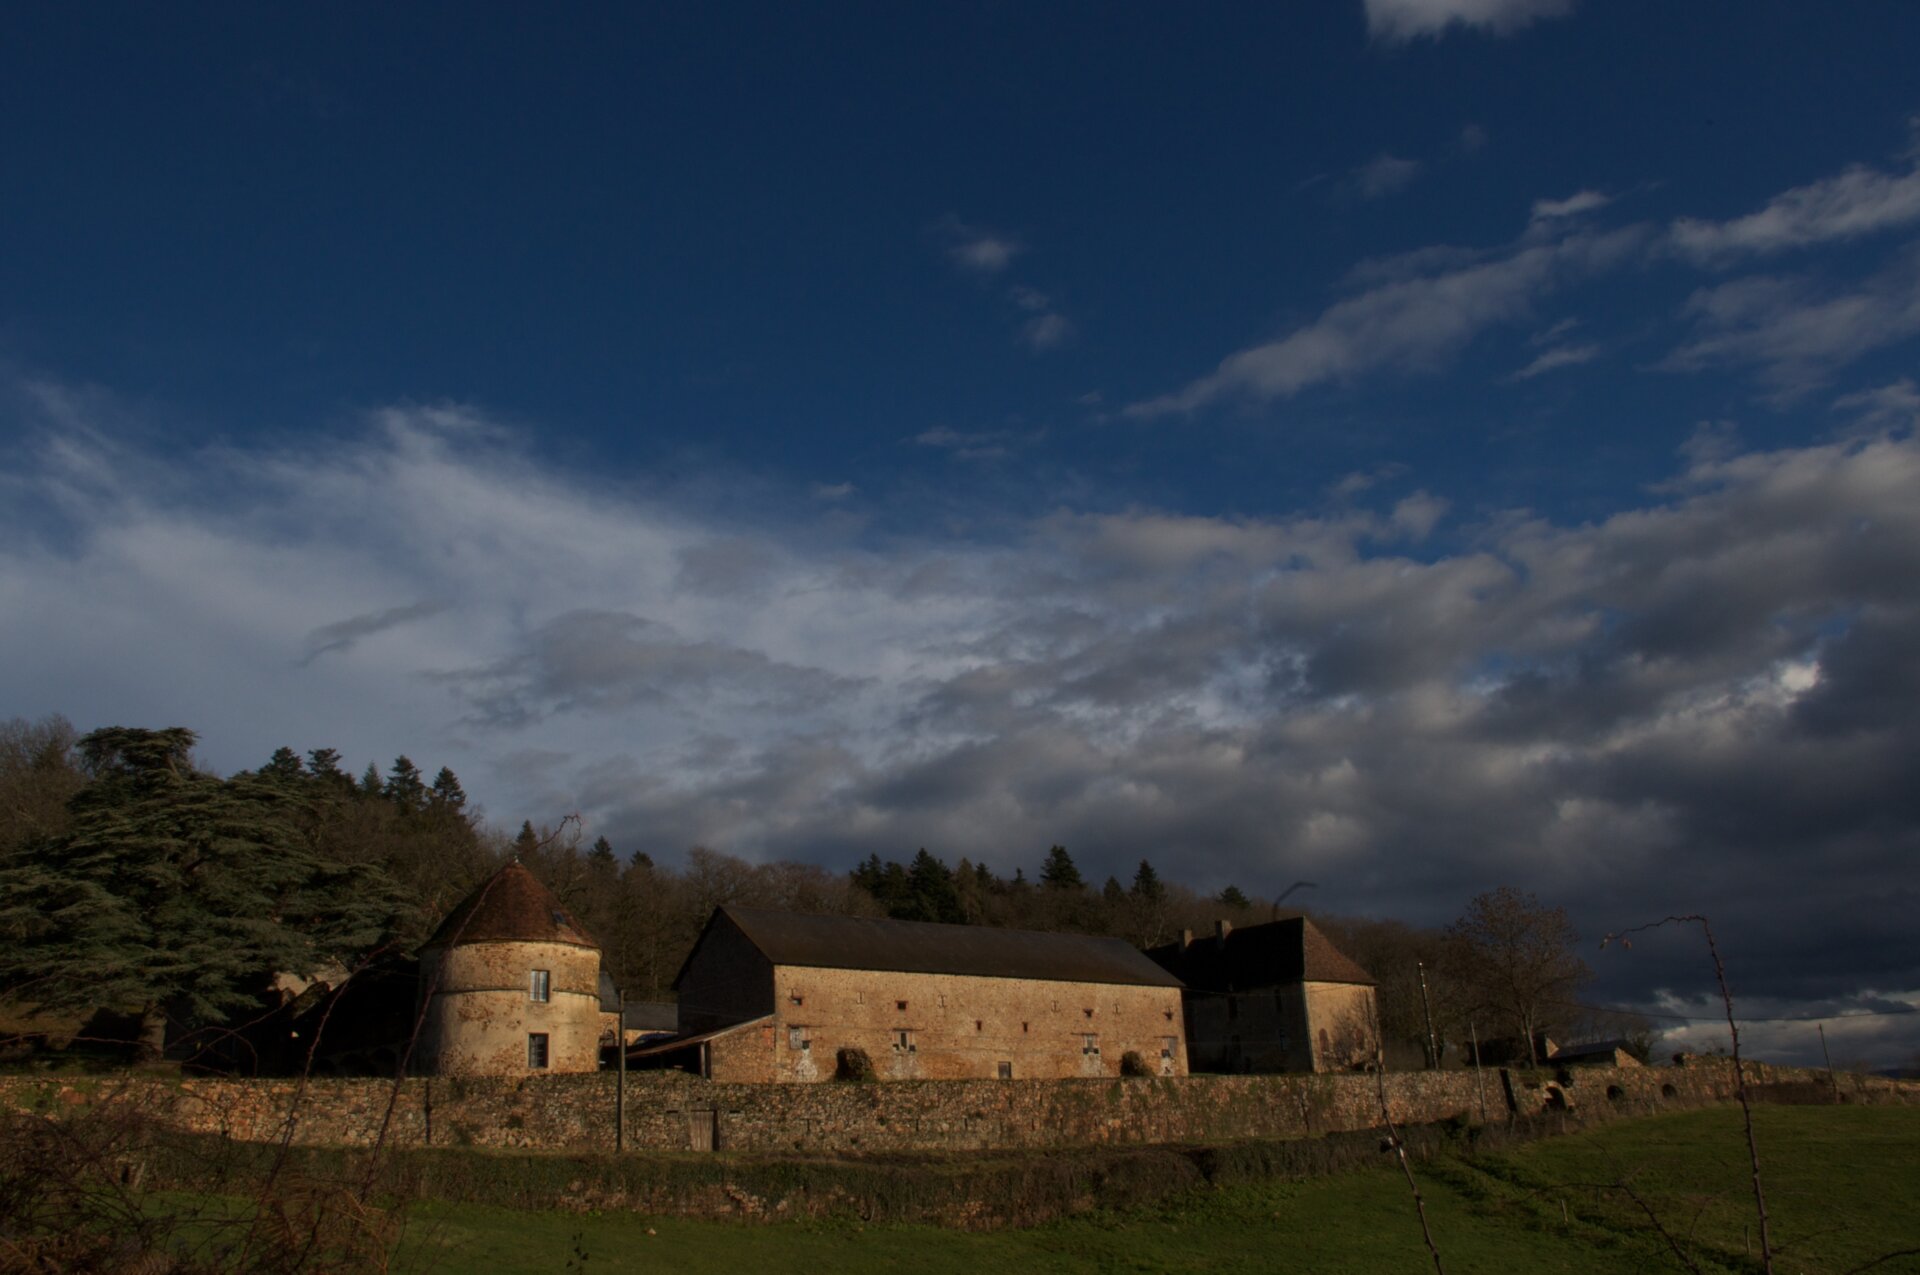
[1416, 444]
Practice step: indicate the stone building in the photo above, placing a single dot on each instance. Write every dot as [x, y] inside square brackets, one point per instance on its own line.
[774, 996]
[1272, 997]
[510, 984]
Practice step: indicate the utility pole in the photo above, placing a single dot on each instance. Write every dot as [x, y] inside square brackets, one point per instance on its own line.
[620, 1082]
[1831, 1082]
[1479, 1079]
[1433, 1042]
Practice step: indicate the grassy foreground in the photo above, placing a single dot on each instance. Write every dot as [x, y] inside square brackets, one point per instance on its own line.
[1843, 1189]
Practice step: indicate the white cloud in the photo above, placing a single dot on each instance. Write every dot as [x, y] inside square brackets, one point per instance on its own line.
[1414, 323]
[978, 250]
[1797, 331]
[1384, 175]
[1046, 331]
[1558, 357]
[1585, 201]
[1856, 202]
[1895, 405]
[1410, 19]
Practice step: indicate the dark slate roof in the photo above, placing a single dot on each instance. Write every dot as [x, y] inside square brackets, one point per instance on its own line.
[923, 947]
[1290, 951]
[511, 906]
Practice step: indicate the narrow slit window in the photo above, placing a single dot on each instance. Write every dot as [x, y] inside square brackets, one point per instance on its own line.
[1089, 1043]
[537, 1051]
[540, 985]
[1006, 1071]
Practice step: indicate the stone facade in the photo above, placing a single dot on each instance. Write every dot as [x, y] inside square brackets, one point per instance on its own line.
[761, 1018]
[1291, 1027]
[960, 1027]
[481, 1011]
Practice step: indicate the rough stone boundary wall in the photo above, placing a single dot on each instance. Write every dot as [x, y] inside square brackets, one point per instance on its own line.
[674, 1112]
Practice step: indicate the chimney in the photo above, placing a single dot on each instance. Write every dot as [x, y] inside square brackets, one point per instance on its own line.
[1220, 931]
[1186, 939]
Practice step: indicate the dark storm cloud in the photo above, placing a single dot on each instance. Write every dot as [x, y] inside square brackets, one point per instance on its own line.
[599, 661]
[343, 634]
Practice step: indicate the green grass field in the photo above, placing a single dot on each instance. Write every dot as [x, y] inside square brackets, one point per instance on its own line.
[1843, 1188]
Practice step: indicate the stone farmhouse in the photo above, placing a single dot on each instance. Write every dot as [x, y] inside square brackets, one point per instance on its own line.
[776, 997]
[511, 984]
[1272, 997]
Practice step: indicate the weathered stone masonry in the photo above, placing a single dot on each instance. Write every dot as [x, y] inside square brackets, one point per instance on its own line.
[675, 1112]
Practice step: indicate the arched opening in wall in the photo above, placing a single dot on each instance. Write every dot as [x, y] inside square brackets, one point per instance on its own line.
[1564, 1076]
[1556, 1099]
[1668, 1091]
[1615, 1093]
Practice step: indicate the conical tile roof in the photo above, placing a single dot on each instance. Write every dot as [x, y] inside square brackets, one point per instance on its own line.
[511, 906]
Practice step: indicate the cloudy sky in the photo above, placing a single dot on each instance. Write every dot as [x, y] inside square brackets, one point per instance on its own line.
[1411, 445]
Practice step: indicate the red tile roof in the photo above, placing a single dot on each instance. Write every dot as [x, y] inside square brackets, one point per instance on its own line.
[511, 906]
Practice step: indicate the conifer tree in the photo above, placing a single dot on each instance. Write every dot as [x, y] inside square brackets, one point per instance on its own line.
[404, 787]
[446, 792]
[1146, 883]
[1059, 872]
[283, 766]
[175, 891]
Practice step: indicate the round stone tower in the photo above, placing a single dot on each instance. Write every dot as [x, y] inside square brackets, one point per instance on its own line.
[511, 985]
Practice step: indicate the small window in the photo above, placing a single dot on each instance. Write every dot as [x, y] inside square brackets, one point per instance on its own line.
[795, 998]
[1169, 1045]
[540, 985]
[1087, 1012]
[979, 1025]
[797, 1038]
[537, 1051]
[901, 1006]
[1006, 1071]
[1167, 1014]
[903, 1042]
[1090, 1043]
[1023, 1027]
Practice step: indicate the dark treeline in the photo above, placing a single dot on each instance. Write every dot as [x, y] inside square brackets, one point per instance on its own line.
[369, 863]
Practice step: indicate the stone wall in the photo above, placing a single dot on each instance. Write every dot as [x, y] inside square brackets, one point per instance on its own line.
[671, 1111]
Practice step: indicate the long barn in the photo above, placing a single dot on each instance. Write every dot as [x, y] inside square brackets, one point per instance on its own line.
[776, 997]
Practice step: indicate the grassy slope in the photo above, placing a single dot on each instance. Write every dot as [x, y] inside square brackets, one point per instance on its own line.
[1843, 1188]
